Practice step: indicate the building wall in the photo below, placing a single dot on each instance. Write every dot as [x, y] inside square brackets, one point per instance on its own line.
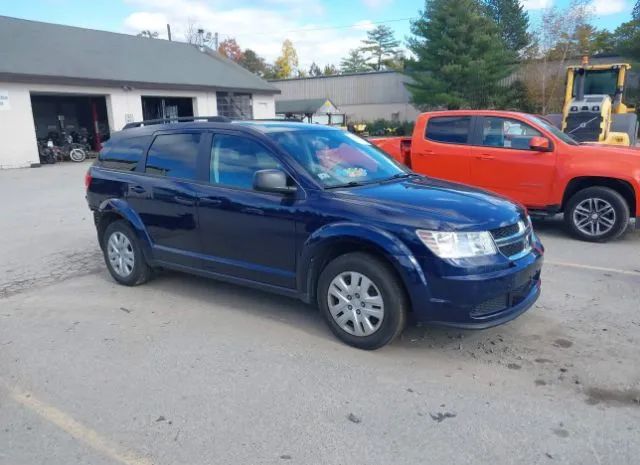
[18, 146]
[362, 97]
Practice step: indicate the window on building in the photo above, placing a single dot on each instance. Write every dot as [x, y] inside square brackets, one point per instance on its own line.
[449, 129]
[235, 105]
[174, 155]
[507, 133]
[125, 154]
[234, 161]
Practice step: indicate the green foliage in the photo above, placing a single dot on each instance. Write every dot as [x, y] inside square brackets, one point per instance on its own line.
[314, 70]
[516, 97]
[512, 21]
[636, 11]
[330, 70]
[381, 45]
[354, 62]
[460, 57]
[253, 62]
[385, 127]
[627, 40]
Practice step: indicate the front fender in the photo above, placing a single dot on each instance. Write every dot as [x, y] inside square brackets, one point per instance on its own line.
[319, 244]
[123, 209]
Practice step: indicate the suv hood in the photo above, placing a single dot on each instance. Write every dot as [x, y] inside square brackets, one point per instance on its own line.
[432, 203]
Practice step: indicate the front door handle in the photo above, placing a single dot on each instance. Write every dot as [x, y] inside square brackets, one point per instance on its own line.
[137, 189]
[485, 156]
[425, 152]
[189, 202]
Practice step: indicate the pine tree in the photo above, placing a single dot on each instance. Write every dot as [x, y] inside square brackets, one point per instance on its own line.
[381, 45]
[354, 62]
[636, 11]
[330, 70]
[512, 21]
[460, 56]
[314, 70]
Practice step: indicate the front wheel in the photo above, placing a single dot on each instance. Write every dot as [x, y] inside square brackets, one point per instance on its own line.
[362, 300]
[597, 214]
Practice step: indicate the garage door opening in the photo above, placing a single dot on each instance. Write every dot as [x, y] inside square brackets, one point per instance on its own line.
[59, 117]
[166, 107]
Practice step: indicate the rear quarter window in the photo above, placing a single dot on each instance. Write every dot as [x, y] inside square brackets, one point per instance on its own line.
[123, 154]
[449, 129]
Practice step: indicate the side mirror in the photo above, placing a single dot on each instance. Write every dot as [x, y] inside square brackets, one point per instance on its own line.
[540, 144]
[272, 181]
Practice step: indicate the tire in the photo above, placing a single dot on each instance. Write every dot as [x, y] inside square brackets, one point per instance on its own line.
[130, 272]
[611, 207]
[386, 291]
[77, 154]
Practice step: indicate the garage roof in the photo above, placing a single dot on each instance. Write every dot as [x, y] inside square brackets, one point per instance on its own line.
[54, 53]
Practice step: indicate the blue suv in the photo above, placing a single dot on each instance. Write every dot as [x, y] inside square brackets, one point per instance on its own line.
[314, 213]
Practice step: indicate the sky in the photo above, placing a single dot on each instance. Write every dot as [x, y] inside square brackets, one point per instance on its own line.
[321, 30]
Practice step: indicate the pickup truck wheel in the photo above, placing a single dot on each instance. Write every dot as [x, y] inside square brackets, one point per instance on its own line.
[362, 300]
[597, 214]
[123, 255]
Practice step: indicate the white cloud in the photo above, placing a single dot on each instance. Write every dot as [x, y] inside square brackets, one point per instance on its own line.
[376, 4]
[364, 25]
[261, 28]
[536, 4]
[608, 7]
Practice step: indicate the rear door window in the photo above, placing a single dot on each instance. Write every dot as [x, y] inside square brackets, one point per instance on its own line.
[449, 129]
[124, 154]
[174, 155]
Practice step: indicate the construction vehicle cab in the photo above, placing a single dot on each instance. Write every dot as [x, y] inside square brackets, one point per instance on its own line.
[593, 108]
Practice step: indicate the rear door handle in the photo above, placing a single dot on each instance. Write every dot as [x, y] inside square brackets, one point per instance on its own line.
[425, 152]
[137, 189]
[184, 200]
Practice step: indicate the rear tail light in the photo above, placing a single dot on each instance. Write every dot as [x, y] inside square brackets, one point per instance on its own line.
[87, 180]
[405, 151]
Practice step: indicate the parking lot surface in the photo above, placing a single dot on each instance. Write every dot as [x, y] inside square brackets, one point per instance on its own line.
[185, 370]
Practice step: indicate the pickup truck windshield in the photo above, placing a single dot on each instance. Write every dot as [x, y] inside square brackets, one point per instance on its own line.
[554, 130]
[338, 158]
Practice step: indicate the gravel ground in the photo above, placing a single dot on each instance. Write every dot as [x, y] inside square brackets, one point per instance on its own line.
[190, 371]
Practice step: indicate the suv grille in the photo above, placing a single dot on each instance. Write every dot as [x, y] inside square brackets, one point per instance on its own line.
[500, 303]
[514, 239]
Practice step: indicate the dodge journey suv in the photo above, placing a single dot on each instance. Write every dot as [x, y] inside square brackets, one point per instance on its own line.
[314, 213]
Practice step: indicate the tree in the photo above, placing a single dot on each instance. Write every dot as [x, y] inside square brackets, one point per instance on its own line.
[636, 11]
[231, 49]
[148, 34]
[592, 41]
[627, 37]
[512, 21]
[253, 62]
[460, 57]
[287, 63]
[381, 45]
[354, 62]
[330, 70]
[314, 70]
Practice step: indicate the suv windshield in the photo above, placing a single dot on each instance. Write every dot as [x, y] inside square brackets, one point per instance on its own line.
[554, 130]
[338, 158]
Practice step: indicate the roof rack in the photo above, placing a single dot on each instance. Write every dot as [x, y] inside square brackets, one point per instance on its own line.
[182, 119]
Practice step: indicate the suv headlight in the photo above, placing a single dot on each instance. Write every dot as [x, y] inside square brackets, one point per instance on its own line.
[458, 244]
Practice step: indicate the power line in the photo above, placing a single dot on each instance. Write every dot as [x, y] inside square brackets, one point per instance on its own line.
[326, 28]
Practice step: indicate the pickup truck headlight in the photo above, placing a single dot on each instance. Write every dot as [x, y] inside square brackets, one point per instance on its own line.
[458, 244]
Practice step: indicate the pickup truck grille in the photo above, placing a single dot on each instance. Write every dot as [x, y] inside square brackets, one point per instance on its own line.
[513, 240]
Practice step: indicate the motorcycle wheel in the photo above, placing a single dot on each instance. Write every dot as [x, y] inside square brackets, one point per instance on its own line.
[77, 155]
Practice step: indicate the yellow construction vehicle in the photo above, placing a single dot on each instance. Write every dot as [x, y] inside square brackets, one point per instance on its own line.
[593, 108]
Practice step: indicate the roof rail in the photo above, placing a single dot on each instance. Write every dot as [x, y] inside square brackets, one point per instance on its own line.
[182, 119]
[279, 120]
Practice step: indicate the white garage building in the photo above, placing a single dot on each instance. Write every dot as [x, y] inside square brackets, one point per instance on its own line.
[63, 80]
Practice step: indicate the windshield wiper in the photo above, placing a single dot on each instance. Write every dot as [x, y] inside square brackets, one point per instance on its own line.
[349, 184]
[399, 176]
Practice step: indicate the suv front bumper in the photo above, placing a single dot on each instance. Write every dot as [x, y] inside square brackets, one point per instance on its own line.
[484, 300]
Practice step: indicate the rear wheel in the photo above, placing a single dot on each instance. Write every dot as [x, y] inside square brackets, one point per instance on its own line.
[597, 214]
[362, 300]
[123, 255]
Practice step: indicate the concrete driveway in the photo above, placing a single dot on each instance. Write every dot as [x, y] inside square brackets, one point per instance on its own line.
[189, 371]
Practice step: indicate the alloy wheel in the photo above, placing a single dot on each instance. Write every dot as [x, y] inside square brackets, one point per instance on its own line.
[594, 217]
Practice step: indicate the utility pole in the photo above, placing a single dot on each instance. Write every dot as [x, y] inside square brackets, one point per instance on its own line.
[215, 41]
[169, 32]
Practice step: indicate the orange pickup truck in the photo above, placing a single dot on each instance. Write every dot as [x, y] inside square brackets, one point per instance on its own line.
[529, 160]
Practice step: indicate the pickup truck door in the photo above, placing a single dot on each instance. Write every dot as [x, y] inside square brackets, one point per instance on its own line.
[502, 161]
[443, 151]
[245, 234]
